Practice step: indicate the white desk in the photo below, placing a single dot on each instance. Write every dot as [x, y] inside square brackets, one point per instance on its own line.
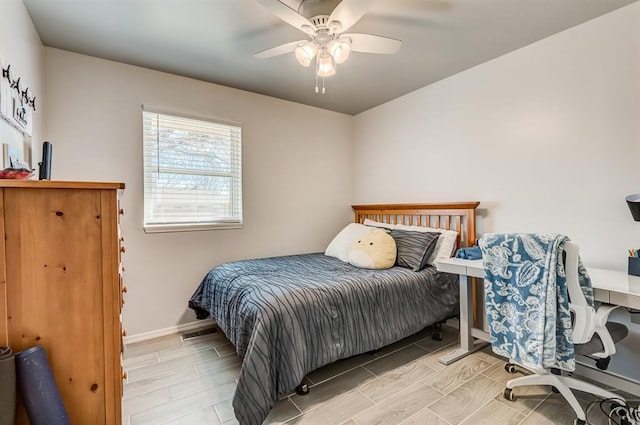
[611, 287]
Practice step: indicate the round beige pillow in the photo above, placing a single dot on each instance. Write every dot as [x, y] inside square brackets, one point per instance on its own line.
[375, 249]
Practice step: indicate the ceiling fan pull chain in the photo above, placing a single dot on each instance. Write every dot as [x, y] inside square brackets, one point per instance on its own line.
[323, 90]
[317, 83]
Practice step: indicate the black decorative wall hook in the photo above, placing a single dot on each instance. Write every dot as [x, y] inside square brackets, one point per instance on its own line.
[15, 84]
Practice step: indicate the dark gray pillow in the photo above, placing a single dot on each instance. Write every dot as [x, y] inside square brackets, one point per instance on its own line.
[414, 248]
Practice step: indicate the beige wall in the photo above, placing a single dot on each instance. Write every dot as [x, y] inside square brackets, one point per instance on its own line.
[296, 171]
[20, 47]
[546, 137]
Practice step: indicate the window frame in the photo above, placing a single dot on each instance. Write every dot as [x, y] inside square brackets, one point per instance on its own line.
[235, 174]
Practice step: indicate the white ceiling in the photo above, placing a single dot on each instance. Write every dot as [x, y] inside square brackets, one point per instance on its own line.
[214, 40]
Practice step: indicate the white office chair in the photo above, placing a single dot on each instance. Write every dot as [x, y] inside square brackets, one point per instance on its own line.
[593, 336]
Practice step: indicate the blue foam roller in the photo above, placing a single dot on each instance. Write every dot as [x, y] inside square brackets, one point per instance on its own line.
[38, 388]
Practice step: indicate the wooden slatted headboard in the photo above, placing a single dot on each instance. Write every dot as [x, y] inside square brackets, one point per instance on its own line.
[460, 216]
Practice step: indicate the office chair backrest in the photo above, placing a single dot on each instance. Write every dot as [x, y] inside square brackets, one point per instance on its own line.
[571, 269]
[586, 321]
[583, 314]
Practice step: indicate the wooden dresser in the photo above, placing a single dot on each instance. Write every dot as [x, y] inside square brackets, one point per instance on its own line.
[61, 288]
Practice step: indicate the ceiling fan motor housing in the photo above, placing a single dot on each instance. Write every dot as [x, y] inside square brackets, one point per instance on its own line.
[320, 21]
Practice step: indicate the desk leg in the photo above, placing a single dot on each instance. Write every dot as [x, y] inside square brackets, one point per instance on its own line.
[467, 343]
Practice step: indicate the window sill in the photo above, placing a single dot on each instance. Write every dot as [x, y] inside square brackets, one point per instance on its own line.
[163, 228]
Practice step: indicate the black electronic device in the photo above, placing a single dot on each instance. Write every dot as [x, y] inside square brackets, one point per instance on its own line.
[45, 165]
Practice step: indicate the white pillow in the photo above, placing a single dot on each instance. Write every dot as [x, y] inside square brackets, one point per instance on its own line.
[372, 223]
[340, 244]
[445, 245]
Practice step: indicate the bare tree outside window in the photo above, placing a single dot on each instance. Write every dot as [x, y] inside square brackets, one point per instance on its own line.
[192, 173]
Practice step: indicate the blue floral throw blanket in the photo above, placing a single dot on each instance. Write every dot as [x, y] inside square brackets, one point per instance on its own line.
[527, 301]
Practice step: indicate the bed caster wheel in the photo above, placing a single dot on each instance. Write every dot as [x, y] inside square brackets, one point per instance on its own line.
[510, 368]
[508, 394]
[436, 334]
[302, 389]
[577, 421]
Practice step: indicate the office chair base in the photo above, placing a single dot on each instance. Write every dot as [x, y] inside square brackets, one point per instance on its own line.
[563, 384]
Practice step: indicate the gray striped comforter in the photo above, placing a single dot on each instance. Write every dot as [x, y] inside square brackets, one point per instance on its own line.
[288, 316]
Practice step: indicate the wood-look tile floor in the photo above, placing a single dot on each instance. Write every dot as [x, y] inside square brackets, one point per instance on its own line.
[191, 382]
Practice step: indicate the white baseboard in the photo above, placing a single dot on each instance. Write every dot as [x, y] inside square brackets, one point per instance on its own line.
[168, 331]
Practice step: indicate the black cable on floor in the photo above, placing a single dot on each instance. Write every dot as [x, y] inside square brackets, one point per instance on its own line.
[617, 408]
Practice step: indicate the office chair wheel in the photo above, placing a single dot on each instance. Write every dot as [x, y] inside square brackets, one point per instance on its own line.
[510, 368]
[603, 364]
[302, 389]
[508, 394]
[577, 421]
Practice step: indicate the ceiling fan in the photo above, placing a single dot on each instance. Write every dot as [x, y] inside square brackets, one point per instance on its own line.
[325, 23]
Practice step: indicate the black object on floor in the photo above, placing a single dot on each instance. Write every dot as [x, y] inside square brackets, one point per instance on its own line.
[38, 388]
[7, 386]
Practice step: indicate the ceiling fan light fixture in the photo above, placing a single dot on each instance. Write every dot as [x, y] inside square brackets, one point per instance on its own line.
[340, 49]
[325, 65]
[305, 52]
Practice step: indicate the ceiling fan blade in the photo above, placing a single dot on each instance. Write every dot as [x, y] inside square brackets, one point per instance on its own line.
[348, 12]
[289, 15]
[368, 43]
[278, 50]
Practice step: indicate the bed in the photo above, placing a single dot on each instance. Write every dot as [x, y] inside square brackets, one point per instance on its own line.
[290, 315]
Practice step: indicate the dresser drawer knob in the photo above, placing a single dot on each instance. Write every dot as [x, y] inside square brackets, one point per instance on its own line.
[124, 332]
[123, 249]
[125, 375]
[125, 289]
[121, 212]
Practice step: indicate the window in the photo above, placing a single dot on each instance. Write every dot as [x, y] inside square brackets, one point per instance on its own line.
[192, 173]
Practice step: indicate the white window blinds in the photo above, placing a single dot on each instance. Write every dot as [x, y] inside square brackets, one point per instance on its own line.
[192, 173]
